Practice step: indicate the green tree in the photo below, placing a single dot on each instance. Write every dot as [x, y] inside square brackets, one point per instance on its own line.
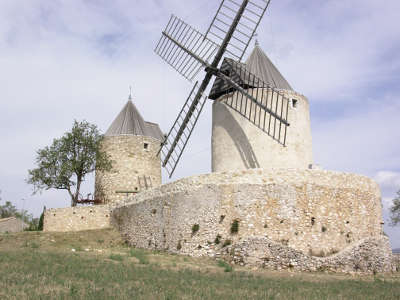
[64, 164]
[395, 210]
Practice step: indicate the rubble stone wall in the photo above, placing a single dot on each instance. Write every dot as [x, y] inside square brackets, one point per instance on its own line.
[12, 225]
[77, 218]
[136, 167]
[316, 213]
[396, 261]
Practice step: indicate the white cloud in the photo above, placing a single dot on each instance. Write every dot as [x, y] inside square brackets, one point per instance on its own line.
[388, 179]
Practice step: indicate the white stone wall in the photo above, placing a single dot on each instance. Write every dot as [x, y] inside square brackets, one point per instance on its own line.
[12, 224]
[134, 159]
[237, 144]
[317, 213]
[77, 218]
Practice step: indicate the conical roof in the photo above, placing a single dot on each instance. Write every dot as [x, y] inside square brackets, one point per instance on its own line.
[130, 122]
[260, 65]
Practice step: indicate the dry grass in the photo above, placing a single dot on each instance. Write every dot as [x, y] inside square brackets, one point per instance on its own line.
[43, 266]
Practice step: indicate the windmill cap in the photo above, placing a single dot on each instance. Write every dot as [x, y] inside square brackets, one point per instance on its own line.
[130, 122]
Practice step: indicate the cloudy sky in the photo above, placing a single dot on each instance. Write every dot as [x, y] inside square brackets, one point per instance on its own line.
[62, 60]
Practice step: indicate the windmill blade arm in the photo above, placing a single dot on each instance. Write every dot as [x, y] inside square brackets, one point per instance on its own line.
[249, 21]
[179, 45]
[244, 92]
[175, 142]
[185, 48]
[264, 106]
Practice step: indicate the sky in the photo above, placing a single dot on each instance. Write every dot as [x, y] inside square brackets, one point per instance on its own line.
[63, 60]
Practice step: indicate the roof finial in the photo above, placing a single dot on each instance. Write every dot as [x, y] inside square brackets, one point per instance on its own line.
[256, 42]
[130, 92]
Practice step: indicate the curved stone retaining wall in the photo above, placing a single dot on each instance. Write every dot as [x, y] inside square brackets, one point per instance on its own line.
[317, 213]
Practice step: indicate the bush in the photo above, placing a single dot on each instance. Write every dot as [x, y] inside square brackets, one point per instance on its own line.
[41, 219]
[195, 228]
[227, 267]
[217, 239]
[235, 227]
[116, 257]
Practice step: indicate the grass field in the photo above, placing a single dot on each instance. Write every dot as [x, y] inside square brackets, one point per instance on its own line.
[97, 265]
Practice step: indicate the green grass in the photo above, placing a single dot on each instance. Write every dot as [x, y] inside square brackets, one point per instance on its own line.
[140, 255]
[116, 257]
[53, 271]
[227, 267]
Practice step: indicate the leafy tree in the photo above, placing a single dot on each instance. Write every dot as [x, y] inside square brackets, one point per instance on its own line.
[64, 164]
[395, 210]
[41, 220]
[8, 210]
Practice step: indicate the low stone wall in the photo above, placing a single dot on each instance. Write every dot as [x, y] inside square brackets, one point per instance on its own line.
[396, 261]
[371, 255]
[12, 225]
[77, 218]
[313, 212]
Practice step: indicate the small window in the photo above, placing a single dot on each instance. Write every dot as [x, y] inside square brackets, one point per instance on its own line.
[145, 146]
[294, 103]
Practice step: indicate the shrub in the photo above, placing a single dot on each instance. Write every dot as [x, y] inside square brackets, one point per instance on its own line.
[116, 257]
[323, 229]
[195, 228]
[235, 227]
[41, 219]
[217, 239]
[179, 246]
[227, 267]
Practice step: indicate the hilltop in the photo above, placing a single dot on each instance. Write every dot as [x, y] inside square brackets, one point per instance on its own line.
[98, 265]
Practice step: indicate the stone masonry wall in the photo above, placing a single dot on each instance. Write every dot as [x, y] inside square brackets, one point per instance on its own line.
[136, 167]
[237, 144]
[317, 213]
[77, 218]
[396, 261]
[12, 225]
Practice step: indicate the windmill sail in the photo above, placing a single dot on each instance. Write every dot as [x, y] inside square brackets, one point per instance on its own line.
[187, 51]
[176, 44]
[178, 136]
[247, 26]
[260, 103]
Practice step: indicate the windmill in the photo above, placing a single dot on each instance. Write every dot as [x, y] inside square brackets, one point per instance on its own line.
[188, 51]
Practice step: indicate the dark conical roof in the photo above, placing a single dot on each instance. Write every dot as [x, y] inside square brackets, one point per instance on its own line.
[130, 122]
[260, 65]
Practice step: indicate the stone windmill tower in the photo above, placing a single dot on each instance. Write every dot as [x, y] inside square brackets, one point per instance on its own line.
[132, 144]
[238, 144]
[258, 120]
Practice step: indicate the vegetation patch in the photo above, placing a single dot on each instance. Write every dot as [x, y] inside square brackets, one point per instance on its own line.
[116, 257]
[140, 255]
[217, 239]
[195, 228]
[235, 226]
[227, 267]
